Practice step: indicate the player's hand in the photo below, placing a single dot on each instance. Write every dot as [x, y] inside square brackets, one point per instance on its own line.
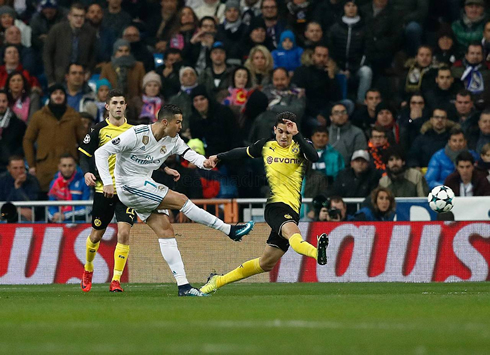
[291, 127]
[90, 179]
[210, 163]
[213, 159]
[108, 191]
[172, 172]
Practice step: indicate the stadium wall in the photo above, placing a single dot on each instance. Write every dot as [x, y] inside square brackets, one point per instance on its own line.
[358, 252]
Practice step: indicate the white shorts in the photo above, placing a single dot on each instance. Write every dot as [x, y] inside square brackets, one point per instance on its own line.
[144, 195]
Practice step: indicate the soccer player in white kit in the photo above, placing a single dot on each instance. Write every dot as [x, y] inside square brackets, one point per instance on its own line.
[139, 151]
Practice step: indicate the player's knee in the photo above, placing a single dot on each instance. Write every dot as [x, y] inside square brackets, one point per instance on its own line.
[181, 199]
[267, 265]
[96, 235]
[166, 233]
[123, 237]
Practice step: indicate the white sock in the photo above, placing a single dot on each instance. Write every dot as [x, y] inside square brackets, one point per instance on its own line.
[171, 254]
[198, 215]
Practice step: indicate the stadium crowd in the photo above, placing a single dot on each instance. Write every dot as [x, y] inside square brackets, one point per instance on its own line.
[394, 94]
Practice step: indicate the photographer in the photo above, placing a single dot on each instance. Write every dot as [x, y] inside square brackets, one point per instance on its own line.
[331, 210]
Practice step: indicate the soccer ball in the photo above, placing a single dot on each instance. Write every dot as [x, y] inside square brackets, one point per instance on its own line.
[441, 199]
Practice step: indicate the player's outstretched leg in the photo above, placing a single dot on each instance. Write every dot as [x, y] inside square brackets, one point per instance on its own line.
[291, 232]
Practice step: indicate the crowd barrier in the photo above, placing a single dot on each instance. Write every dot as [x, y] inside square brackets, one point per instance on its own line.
[358, 252]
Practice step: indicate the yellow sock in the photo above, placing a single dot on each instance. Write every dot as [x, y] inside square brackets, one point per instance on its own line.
[120, 257]
[90, 254]
[247, 269]
[302, 247]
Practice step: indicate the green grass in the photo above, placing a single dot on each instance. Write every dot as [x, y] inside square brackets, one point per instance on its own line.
[375, 318]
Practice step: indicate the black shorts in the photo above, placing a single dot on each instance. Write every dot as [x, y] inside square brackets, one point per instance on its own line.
[104, 208]
[276, 215]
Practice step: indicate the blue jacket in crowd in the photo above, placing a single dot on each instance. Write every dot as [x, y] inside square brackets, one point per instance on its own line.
[289, 59]
[27, 192]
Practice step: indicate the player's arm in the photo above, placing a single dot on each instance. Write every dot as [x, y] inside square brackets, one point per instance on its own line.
[252, 151]
[306, 147]
[188, 154]
[124, 142]
[87, 149]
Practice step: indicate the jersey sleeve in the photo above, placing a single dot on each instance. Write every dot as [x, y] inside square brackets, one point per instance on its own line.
[90, 143]
[124, 142]
[255, 150]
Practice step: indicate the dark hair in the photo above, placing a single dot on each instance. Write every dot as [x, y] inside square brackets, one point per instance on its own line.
[15, 157]
[378, 129]
[393, 151]
[465, 156]
[172, 51]
[425, 46]
[3, 91]
[78, 6]
[210, 18]
[66, 156]
[372, 90]
[456, 131]
[474, 44]
[281, 68]
[485, 149]
[248, 85]
[416, 93]
[328, 203]
[465, 93]
[313, 23]
[27, 88]
[321, 129]
[374, 199]
[322, 45]
[439, 109]
[336, 104]
[443, 67]
[284, 115]
[485, 112]
[67, 71]
[168, 112]
[262, 4]
[113, 93]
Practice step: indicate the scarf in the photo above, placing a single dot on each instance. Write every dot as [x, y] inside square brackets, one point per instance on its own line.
[472, 78]
[232, 26]
[151, 106]
[349, 21]
[21, 108]
[121, 66]
[469, 22]
[414, 78]
[236, 97]
[5, 120]
[377, 155]
[298, 11]
[60, 191]
[187, 89]
[453, 154]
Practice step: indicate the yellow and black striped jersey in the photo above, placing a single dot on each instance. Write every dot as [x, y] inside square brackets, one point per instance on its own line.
[100, 134]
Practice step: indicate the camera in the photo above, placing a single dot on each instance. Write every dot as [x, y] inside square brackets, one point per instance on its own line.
[9, 213]
[335, 214]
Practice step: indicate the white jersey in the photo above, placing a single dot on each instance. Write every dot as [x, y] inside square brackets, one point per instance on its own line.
[138, 153]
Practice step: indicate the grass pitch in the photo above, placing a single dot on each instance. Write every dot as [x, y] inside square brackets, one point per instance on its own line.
[374, 318]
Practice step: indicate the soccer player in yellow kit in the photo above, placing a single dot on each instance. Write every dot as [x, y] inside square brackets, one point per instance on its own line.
[285, 159]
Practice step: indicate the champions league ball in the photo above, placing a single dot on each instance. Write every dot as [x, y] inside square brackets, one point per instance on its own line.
[441, 199]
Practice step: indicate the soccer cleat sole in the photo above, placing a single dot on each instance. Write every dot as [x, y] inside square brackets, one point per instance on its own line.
[322, 249]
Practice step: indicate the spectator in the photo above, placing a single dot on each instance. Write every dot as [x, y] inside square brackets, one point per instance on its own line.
[68, 185]
[473, 72]
[320, 86]
[250, 10]
[22, 101]
[444, 93]
[434, 135]
[239, 90]
[256, 121]
[347, 41]
[260, 65]
[442, 163]
[412, 15]
[56, 129]
[469, 28]
[401, 180]
[12, 131]
[466, 180]
[216, 77]
[105, 35]
[198, 52]
[377, 146]
[480, 135]
[209, 117]
[483, 164]
[8, 19]
[284, 96]
[27, 55]
[328, 12]
[102, 89]
[169, 72]
[385, 119]
[330, 162]
[357, 180]
[365, 116]
[381, 209]
[313, 36]
[41, 23]
[188, 81]
[421, 75]
[486, 43]
[255, 36]
[288, 54]
[382, 35]
[79, 96]
[334, 210]
[123, 71]
[144, 109]
[411, 119]
[11, 60]
[115, 17]
[274, 24]
[211, 8]
[232, 31]
[184, 29]
[138, 47]
[445, 51]
[161, 23]
[464, 108]
[345, 137]
[69, 42]
[16, 184]
[299, 13]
